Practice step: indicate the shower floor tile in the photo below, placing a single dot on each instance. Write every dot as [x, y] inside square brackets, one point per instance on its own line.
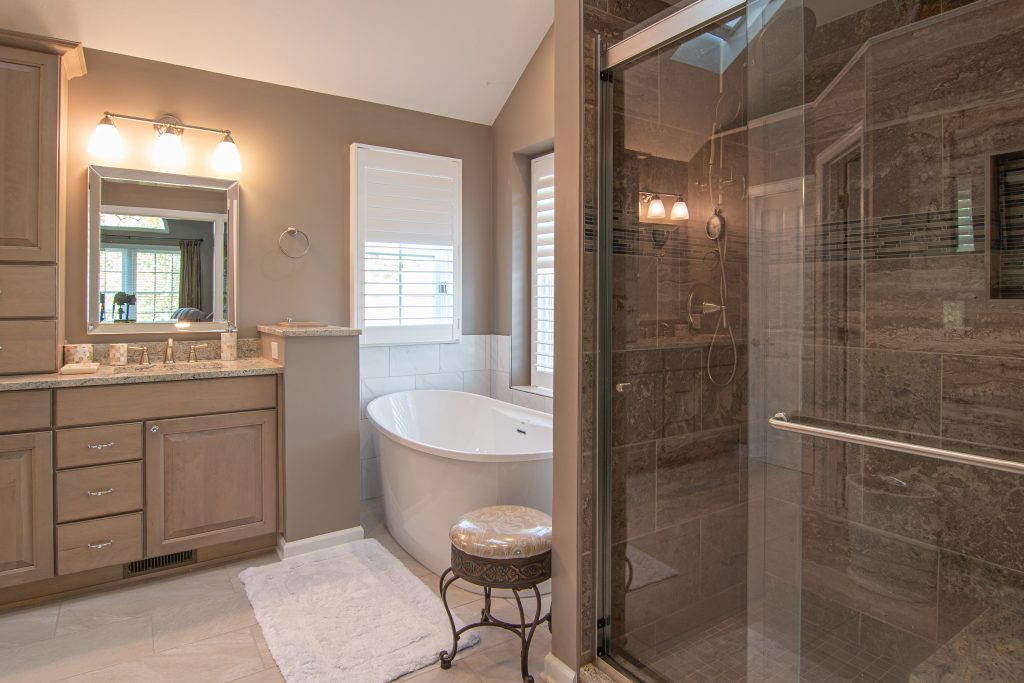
[727, 653]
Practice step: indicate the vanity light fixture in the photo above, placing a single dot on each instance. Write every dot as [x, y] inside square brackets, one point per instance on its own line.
[169, 149]
[105, 142]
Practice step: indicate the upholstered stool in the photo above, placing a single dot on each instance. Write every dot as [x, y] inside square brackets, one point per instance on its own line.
[505, 546]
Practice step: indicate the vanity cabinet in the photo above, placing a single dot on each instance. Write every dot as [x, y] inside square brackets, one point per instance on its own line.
[26, 508]
[210, 480]
[33, 112]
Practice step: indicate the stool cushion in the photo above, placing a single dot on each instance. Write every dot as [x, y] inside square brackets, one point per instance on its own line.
[502, 531]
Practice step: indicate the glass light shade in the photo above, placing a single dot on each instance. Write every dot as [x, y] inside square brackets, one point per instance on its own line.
[105, 141]
[656, 209]
[680, 211]
[169, 150]
[226, 158]
[183, 324]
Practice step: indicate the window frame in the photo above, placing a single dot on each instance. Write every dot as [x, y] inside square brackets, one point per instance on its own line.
[544, 163]
[410, 334]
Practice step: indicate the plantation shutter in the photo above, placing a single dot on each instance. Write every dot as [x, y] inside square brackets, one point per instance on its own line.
[543, 276]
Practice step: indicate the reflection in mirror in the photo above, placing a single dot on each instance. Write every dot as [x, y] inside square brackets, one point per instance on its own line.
[160, 252]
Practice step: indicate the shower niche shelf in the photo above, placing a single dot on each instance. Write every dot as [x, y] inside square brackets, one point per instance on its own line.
[1006, 226]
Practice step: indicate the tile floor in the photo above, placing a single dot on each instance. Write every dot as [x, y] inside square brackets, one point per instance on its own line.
[198, 627]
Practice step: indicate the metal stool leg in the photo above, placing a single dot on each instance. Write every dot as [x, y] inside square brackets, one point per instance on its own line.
[444, 656]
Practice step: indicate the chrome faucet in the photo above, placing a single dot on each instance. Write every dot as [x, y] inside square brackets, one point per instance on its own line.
[192, 351]
[169, 353]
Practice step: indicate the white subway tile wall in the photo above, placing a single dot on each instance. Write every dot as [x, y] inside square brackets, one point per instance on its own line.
[479, 364]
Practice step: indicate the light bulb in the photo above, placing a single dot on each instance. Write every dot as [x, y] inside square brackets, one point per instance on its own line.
[169, 150]
[226, 158]
[680, 212]
[105, 142]
[656, 209]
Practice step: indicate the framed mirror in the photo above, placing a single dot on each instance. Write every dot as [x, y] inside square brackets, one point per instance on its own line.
[163, 250]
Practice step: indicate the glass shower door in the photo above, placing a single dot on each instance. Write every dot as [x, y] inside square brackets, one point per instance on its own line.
[811, 365]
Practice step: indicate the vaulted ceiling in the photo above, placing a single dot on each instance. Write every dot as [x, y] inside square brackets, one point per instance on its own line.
[455, 58]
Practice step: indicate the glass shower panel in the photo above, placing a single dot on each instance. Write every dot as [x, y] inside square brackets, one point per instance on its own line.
[814, 450]
[677, 345]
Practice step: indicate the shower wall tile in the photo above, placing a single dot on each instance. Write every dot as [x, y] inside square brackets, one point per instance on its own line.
[969, 586]
[905, 167]
[898, 390]
[633, 490]
[939, 304]
[724, 402]
[675, 547]
[419, 359]
[697, 474]
[981, 400]
[891, 579]
[723, 550]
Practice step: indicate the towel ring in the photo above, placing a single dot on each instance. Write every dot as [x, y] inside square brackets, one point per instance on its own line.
[292, 231]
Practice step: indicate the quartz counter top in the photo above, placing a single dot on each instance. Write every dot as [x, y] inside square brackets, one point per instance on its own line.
[139, 374]
[326, 331]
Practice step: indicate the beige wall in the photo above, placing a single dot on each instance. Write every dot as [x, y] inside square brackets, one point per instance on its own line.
[295, 153]
[525, 128]
[568, 578]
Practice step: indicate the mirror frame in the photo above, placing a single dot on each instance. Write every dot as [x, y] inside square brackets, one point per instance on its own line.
[97, 174]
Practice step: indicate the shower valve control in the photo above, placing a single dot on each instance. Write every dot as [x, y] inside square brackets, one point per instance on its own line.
[623, 387]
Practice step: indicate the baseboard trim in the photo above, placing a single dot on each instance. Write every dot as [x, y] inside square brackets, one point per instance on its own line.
[557, 671]
[286, 549]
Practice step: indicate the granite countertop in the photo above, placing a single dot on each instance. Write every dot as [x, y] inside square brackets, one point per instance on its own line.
[326, 331]
[139, 374]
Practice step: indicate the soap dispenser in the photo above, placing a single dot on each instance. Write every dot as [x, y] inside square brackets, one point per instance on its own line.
[229, 344]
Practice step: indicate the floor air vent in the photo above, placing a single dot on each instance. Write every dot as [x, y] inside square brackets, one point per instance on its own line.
[156, 564]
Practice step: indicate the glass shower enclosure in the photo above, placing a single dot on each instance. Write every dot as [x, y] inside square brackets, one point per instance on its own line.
[809, 287]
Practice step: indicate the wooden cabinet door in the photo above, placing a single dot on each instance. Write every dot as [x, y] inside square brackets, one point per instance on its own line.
[29, 136]
[26, 508]
[210, 480]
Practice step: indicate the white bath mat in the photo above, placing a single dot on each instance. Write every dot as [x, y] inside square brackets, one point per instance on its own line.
[349, 613]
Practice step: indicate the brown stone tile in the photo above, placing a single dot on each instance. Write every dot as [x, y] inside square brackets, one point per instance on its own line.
[633, 490]
[968, 586]
[981, 400]
[697, 474]
[879, 574]
[897, 390]
[723, 550]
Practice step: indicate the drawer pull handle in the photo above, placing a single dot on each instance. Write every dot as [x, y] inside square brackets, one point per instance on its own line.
[100, 493]
[100, 446]
[100, 546]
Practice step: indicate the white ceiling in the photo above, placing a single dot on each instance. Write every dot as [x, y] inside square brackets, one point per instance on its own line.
[456, 58]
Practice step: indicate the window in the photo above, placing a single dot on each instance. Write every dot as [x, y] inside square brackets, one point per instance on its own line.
[542, 334]
[151, 273]
[133, 223]
[407, 218]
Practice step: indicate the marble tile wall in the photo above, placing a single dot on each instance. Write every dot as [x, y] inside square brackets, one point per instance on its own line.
[478, 364]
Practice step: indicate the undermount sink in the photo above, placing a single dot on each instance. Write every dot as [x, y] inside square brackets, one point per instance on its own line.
[172, 367]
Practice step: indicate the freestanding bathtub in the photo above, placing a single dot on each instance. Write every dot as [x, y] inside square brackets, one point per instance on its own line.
[445, 453]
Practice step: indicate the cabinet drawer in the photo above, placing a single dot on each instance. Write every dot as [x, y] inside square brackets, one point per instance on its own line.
[28, 291]
[24, 411]
[99, 543]
[97, 491]
[98, 445]
[123, 402]
[28, 346]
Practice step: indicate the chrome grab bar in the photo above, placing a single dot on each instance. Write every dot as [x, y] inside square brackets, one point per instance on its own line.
[782, 422]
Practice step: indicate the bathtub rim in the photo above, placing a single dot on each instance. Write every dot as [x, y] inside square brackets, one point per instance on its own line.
[451, 454]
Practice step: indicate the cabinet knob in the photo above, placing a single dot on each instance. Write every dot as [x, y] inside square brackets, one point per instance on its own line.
[154, 429]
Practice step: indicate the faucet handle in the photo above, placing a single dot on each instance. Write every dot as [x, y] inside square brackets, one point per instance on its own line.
[144, 358]
[192, 351]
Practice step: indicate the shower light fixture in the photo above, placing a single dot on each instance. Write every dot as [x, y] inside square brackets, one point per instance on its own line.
[656, 208]
[652, 208]
[680, 212]
[169, 149]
